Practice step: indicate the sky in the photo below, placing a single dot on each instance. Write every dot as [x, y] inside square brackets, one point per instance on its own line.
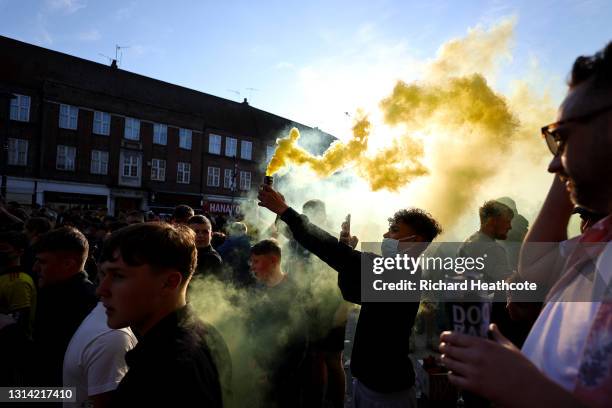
[315, 62]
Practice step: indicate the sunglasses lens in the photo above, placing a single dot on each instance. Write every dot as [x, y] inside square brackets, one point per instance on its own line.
[551, 143]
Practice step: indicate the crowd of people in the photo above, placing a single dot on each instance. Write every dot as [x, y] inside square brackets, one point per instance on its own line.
[102, 303]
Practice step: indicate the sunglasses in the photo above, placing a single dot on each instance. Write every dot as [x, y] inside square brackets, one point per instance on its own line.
[550, 133]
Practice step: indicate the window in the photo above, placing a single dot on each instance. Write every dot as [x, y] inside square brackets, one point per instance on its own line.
[17, 152]
[245, 180]
[131, 164]
[214, 174]
[230, 146]
[132, 129]
[158, 170]
[65, 157]
[246, 148]
[185, 139]
[99, 162]
[183, 173]
[214, 144]
[228, 179]
[160, 134]
[69, 116]
[20, 108]
[101, 124]
[269, 153]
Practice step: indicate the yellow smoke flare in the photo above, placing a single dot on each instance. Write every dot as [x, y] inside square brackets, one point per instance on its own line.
[336, 157]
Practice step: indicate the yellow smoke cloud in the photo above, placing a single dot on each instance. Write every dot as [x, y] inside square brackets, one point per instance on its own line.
[456, 130]
[478, 52]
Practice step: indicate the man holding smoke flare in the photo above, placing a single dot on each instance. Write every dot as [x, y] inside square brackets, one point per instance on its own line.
[380, 364]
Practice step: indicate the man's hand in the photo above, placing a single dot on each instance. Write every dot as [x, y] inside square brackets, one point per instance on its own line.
[494, 369]
[272, 200]
[349, 240]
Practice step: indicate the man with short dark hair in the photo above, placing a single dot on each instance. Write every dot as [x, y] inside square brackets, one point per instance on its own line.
[495, 222]
[182, 213]
[278, 315]
[380, 363]
[566, 360]
[145, 270]
[209, 260]
[65, 297]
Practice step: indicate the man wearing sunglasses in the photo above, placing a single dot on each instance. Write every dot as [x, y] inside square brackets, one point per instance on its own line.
[566, 360]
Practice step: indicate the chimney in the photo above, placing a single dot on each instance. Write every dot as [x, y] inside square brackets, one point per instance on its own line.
[114, 64]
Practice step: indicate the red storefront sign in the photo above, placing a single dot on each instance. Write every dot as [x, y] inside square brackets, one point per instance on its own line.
[218, 207]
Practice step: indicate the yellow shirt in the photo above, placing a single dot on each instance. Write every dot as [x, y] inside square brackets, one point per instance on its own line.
[17, 291]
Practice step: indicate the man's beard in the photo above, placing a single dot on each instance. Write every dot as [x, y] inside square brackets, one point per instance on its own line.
[593, 196]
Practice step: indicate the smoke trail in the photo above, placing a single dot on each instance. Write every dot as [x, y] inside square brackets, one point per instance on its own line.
[334, 158]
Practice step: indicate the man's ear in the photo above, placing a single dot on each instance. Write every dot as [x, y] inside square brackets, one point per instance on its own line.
[71, 262]
[174, 279]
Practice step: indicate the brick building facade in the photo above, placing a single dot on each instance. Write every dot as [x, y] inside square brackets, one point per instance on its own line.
[78, 132]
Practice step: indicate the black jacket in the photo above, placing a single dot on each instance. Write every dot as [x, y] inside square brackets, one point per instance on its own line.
[60, 309]
[381, 345]
[209, 263]
[171, 366]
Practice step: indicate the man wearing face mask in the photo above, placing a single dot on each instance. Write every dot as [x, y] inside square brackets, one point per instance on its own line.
[379, 363]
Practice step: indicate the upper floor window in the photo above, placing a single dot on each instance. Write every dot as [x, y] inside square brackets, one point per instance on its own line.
[214, 176]
[228, 178]
[160, 134]
[20, 108]
[183, 173]
[214, 144]
[99, 162]
[65, 159]
[185, 139]
[245, 180]
[132, 129]
[68, 117]
[101, 124]
[246, 149]
[158, 169]
[131, 165]
[17, 152]
[230, 146]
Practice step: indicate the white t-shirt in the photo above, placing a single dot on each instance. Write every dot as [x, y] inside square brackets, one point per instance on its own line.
[556, 341]
[94, 362]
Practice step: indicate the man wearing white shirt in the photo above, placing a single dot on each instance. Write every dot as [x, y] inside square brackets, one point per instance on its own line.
[94, 362]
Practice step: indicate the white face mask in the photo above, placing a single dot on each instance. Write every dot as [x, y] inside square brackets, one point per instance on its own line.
[390, 247]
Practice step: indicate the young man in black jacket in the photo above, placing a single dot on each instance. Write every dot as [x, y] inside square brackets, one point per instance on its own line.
[145, 270]
[379, 362]
[65, 298]
[209, 260]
